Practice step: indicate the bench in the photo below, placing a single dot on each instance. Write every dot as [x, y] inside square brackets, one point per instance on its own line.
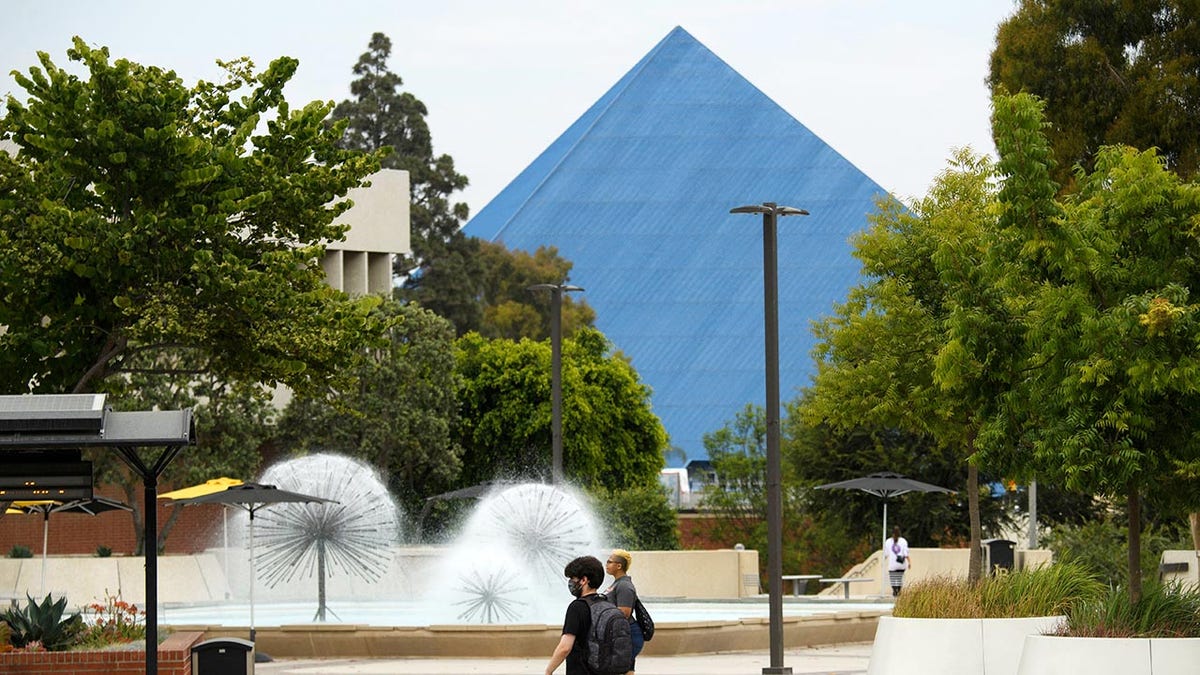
[799, 581]
[845, 582]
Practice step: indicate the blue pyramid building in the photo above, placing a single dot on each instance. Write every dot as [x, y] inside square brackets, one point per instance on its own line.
[637, 193]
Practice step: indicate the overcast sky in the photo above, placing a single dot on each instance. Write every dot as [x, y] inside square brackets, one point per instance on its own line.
[893, 85]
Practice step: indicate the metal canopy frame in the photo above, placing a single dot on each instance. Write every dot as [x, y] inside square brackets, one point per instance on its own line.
[124, 432]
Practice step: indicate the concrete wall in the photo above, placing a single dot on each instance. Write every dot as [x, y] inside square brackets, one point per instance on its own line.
[926, 563]
[1181, 567]
[181, 578]
[696, 574]
[202, 578]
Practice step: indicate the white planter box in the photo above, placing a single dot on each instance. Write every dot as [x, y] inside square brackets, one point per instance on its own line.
[1050, 655]
[953, 646]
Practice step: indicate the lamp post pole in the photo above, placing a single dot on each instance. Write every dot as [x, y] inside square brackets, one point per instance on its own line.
[770, 213]
[556, 451]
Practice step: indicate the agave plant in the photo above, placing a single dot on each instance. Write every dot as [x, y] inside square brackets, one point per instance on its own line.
[43, 623]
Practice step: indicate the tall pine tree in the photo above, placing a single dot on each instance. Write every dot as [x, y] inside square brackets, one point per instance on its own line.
[443, 267]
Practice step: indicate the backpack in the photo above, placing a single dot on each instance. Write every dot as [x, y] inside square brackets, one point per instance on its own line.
[609, 646]
[643, 619]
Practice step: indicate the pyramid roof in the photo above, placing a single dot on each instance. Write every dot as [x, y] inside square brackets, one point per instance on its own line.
[637, 192]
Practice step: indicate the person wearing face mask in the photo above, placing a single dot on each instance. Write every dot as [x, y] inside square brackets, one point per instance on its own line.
[584, 576]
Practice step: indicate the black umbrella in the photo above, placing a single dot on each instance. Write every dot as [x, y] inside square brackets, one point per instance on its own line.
[253, 497]
[91, 507]
[885, 484]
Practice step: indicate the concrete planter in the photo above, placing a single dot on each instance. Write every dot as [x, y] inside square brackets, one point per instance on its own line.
[1046, 655]
[906, 646]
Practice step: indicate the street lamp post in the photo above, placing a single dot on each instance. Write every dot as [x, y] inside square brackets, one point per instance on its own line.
[770, 213]
[556, 451]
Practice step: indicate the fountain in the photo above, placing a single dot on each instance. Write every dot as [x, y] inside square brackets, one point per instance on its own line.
[505, 566]
[357, 532]
[497, 589]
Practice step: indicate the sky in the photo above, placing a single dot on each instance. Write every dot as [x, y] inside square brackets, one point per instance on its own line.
[893, 85]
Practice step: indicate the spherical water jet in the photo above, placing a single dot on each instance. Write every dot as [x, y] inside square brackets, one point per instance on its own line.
[357, 535]
[506, 565]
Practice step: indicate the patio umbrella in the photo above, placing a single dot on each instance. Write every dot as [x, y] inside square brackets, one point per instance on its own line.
[251, 498]
[885, 484]
[207, 488]
[91, 507]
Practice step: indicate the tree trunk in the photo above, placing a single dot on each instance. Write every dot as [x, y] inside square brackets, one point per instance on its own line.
[1194, 521]
[975, 569]
[1135, 543]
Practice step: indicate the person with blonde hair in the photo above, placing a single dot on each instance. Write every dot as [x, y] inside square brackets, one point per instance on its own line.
[623, 594]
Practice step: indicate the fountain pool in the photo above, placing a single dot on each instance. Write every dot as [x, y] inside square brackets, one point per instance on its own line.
[416, 613]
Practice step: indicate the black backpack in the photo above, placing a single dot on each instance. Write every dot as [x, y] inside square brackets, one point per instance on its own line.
[610, 646]
[643, 619]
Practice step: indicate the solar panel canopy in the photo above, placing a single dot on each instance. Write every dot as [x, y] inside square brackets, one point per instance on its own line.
[637, 193]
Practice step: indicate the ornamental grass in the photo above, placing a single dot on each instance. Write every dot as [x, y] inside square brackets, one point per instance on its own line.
[1050, 590]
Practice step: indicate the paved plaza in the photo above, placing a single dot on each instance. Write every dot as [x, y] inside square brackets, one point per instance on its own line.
[848, 659]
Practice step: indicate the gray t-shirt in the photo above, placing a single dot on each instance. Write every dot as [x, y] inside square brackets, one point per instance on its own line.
[622, 593]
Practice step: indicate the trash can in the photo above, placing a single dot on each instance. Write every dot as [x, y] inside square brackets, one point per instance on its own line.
[223, 656]
[998, 554]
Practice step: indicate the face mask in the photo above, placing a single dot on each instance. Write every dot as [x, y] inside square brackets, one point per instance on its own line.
[575, 587]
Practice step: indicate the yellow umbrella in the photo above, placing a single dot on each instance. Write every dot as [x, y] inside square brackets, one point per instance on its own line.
[208, 487]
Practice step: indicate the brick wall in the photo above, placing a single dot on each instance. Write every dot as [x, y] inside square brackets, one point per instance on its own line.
[197, 528]
[174, 658]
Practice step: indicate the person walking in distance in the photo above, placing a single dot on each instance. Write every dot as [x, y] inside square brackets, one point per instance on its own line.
[623, 594]
[898, 560]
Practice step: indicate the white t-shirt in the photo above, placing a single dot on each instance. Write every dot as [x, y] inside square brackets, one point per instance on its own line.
[896, 550]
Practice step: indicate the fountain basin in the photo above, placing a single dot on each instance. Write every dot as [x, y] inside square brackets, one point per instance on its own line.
[532, 640]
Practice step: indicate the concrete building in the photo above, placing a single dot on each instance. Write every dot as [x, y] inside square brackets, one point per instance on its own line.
[379, 230]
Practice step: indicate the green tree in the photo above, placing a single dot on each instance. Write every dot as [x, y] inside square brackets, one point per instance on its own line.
[232, 422]
[399, 416]
[1110, 73]
[611, 438]
[510, 309]
[738, 498]
[925, 344]
[826, 454]
[140, 217]
[1111, 325]
[638, 518]
[153, 234]
[442, 271]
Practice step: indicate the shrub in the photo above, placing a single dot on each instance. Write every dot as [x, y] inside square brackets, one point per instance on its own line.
[42, 624]
[1104, 547]
[19, 551]
[1163, 611]
[112, 621]
[103, 551]
[1044, 591]
[638, 518]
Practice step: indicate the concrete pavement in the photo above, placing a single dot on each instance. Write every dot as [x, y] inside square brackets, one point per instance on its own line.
[847, 659]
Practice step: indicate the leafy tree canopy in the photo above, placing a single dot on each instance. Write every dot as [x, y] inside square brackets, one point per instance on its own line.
[141, 217]
[1107, 395]
[1110, 73]
[510, 309]
[611, 437]
[398, 416]
[232, 422]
